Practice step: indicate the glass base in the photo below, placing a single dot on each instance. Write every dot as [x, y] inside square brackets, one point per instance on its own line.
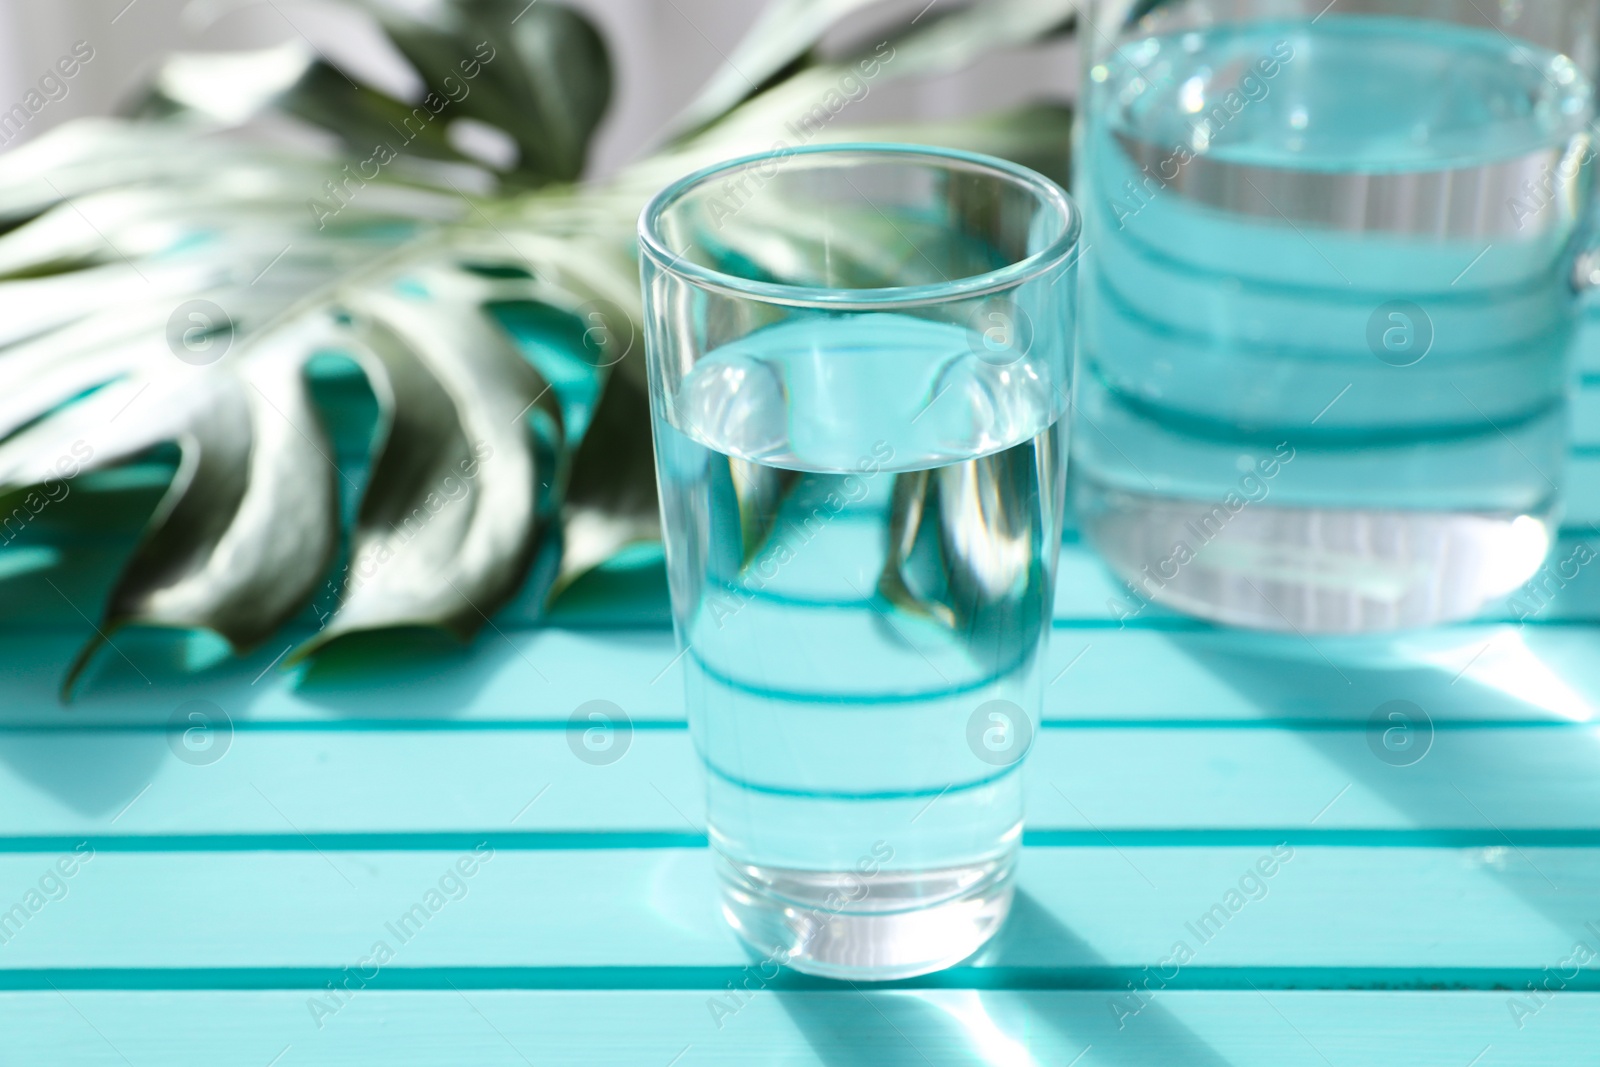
[1313, 570]
[892, 924]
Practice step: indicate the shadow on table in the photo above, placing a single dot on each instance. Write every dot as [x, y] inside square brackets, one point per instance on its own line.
[1504, 676]
[398, 674]
[92, 773]
[869, 1025]
[140, 693]
[1497, 673]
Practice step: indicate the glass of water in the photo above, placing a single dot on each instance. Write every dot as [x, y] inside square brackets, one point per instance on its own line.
[860, 363]
[1329, 292]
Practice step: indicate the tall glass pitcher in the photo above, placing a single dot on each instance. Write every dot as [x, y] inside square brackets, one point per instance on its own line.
[1329, 293]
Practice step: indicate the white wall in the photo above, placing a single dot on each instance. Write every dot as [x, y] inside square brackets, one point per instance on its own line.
[662, 50]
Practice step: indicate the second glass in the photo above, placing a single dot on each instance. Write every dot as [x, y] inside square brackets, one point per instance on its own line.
[1328, 301]
[860, 365]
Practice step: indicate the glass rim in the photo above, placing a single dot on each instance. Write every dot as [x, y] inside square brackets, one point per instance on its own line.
[1045, 191]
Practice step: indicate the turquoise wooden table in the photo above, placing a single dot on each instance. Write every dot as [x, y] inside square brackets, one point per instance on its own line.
[395, 857]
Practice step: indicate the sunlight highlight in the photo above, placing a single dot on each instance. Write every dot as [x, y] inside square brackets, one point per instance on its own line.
[992, 1044]
[1508, 665]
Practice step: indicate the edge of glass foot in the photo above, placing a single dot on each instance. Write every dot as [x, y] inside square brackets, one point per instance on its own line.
[889, 925]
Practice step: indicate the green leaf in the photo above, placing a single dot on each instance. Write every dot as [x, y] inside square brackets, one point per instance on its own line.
[936, 42]
[445, 534]
[229, 87]
[785, 31]
[611, 499]
[108, 228]
[960, 37]
[248, 525]
[248, 528]
[539, 72]
[367, 119]
[563, 78]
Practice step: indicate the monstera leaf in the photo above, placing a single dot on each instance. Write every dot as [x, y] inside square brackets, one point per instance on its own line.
[170, 285]
[941, 37]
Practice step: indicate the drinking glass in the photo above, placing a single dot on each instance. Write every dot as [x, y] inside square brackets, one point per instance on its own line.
[1329, 291]
[860, 362]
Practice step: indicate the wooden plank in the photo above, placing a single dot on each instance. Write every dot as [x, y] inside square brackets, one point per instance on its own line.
[1586, 411]
[844, 1028]
[1325, 917]
[1581, 489]
[123, 788]
[1467, 673]
[492, 1028]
